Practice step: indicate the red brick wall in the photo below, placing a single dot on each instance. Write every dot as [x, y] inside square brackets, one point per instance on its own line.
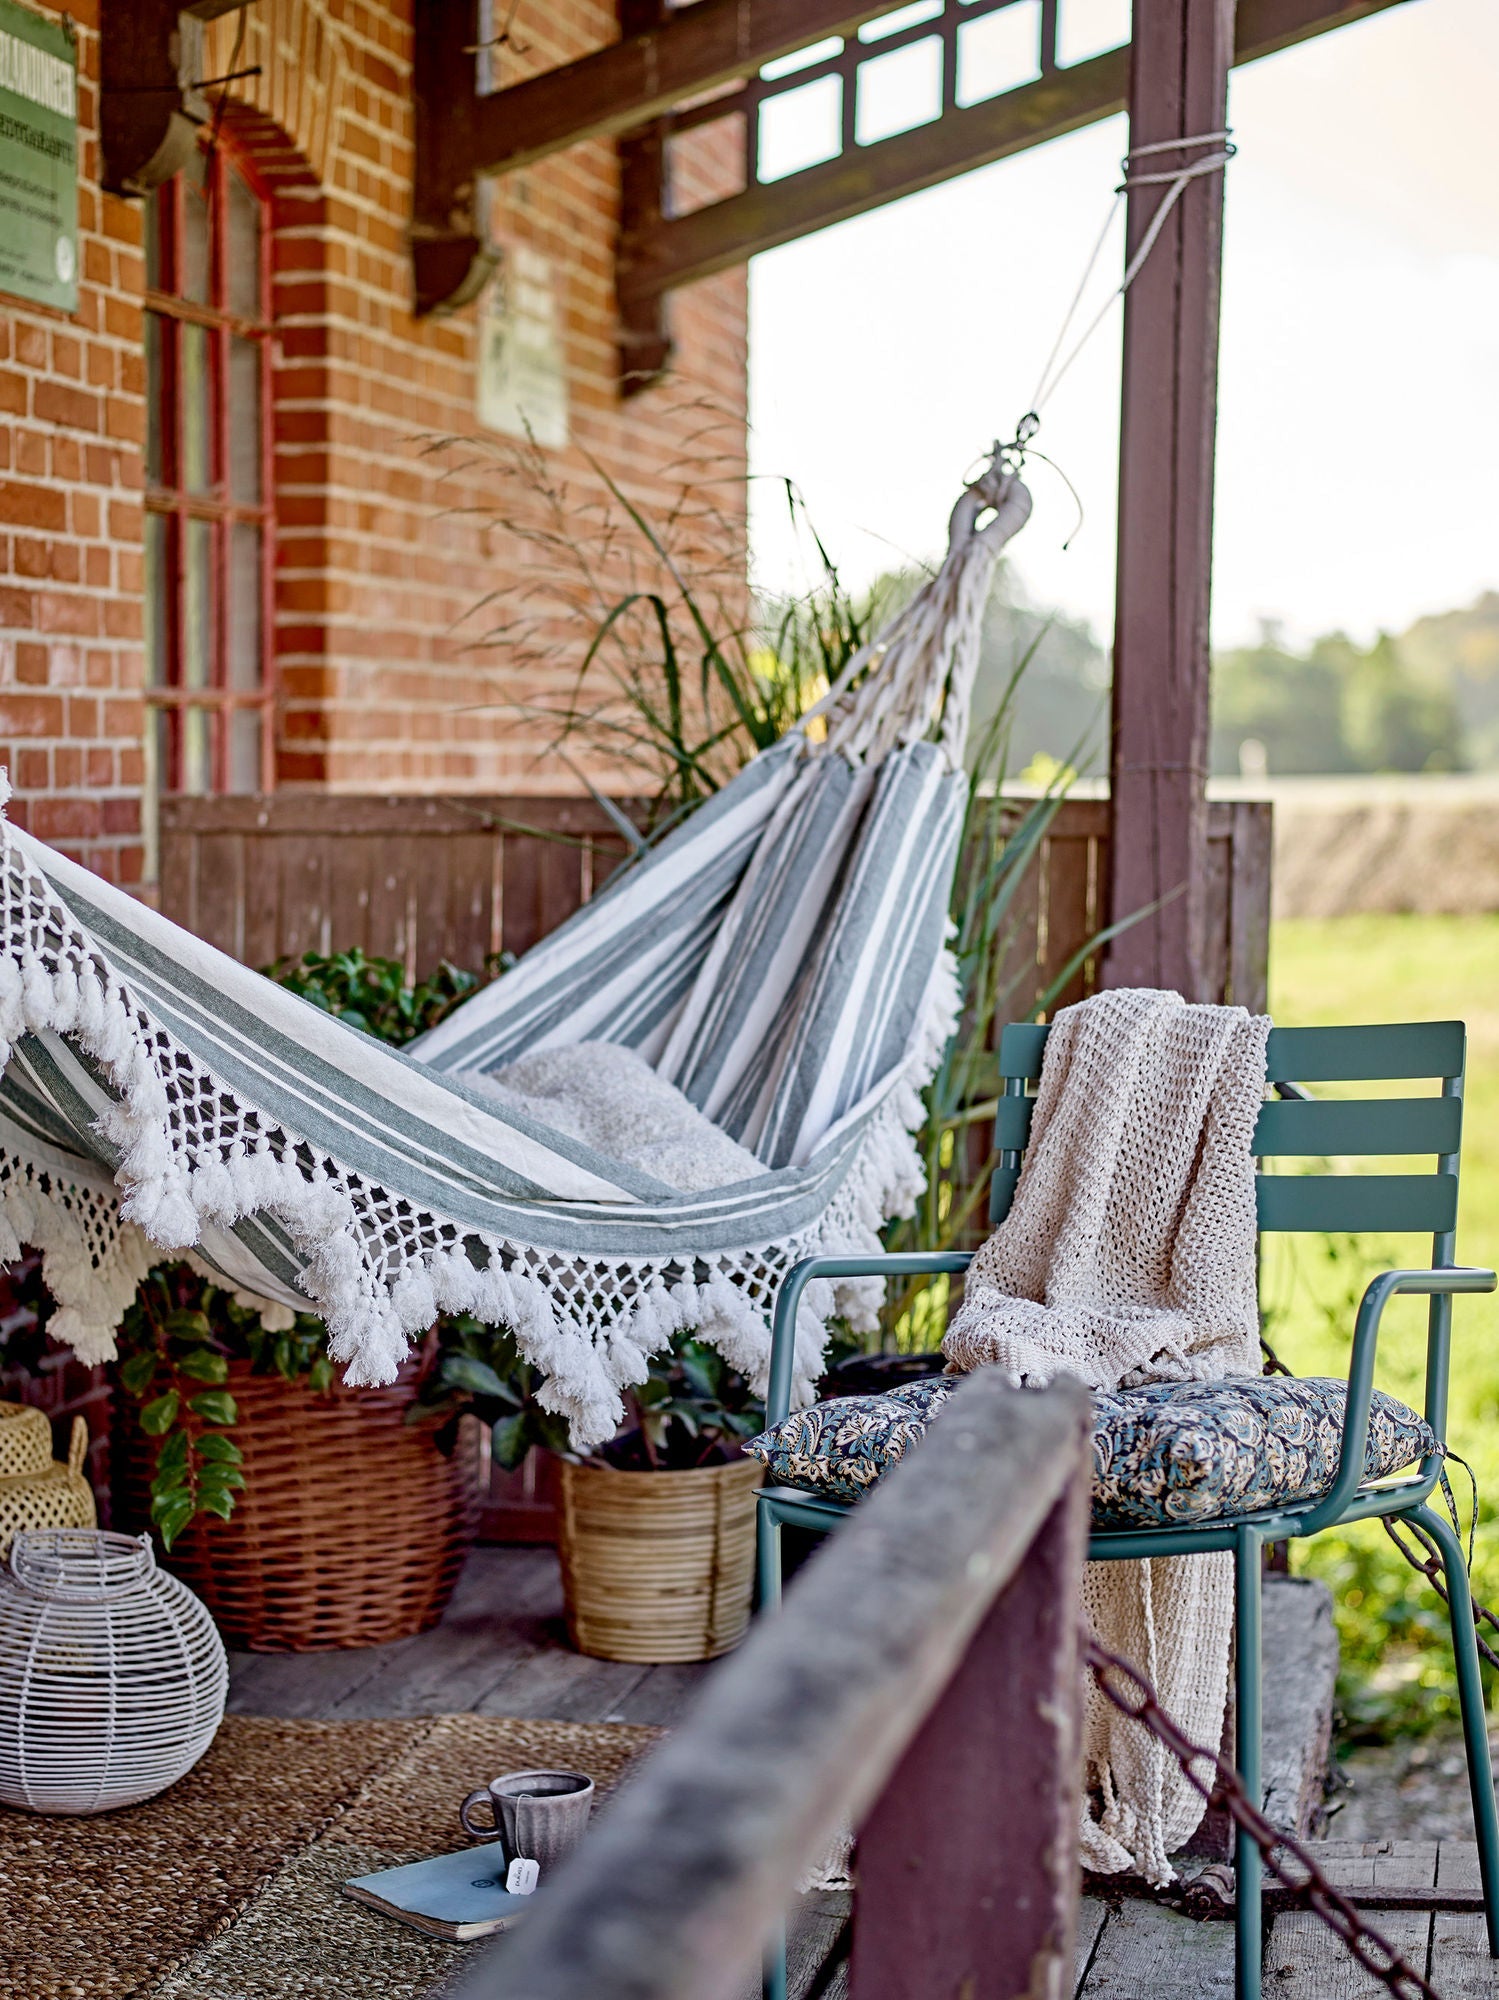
[380, 553]
[71, 425]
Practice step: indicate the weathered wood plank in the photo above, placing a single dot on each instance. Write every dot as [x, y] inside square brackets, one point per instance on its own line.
[800, 1729]
[814, 1934]
[1249, 904]
[1461, 1968]
[220, 882]
[1071, 912]
[927, 1918]
[1092, 1915]
[1304, 1961]
[1148, 1953]
[1301, 1640]
[486, 1635]
[552, 1680]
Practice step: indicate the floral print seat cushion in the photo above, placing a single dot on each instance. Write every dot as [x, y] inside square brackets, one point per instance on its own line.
[1169, 1454]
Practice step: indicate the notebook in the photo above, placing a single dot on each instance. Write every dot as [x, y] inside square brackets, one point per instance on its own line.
[456, 1896]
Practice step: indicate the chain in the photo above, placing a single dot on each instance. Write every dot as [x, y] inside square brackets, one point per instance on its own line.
[1136, 1697]
[1432, 1570]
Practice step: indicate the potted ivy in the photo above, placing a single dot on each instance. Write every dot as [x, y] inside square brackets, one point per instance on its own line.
[252, 1462]
[657, 1527]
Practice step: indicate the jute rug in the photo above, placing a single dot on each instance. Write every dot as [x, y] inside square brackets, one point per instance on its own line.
[226, 1887]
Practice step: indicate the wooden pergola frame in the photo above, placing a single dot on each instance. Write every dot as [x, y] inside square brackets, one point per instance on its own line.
[676, 68]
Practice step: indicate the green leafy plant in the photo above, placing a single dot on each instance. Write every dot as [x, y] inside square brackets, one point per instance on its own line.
[178, 1337]
[693, 1409]
[375, 995]
[182, 1331]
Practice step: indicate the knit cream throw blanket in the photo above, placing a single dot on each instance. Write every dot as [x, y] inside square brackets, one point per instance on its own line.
[1129, 1257]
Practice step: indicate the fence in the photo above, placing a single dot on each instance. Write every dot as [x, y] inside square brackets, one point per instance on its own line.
[425, 879]
[921, 1683]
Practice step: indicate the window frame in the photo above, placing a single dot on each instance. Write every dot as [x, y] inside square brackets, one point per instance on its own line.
[168, 498]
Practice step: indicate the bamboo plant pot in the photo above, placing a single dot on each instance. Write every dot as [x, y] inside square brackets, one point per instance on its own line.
[657, 1565]
[351, 1527]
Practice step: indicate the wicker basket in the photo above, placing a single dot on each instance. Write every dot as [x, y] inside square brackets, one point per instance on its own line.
[37, 1491]
[658, 1565]
[351, 1528]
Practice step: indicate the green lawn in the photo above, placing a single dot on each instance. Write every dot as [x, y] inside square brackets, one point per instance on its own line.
[1402, 968]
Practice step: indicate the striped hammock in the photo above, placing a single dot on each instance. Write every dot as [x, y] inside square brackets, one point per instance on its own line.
[780, 959]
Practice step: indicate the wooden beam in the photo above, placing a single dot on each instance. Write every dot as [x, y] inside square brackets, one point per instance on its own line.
[451, 255]
[802, 1729]
[684, 249]
[696, 49]
[976, 1802]
[727, 232]
[1169, 400]
[645, 337]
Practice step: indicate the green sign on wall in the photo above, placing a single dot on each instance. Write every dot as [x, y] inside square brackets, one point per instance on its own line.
[38, 158]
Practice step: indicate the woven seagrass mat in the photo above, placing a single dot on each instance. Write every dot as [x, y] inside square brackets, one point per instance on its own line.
[227, 1887]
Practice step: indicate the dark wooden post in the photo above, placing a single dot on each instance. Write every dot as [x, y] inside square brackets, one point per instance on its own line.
[967, 1877]
[1178, 89]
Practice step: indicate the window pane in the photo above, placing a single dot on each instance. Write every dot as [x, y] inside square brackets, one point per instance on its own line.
[899, 91]
[196, 469]
[153, 784]
[158, 604]
[799, 128]
[244, 250]
[197, 604]
[244, 422]
[195, 773]
[244, 606]
[244, 750]
[195, 232]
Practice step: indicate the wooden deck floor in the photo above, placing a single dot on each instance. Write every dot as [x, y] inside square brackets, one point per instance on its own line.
[502, 1650]
[1140, 1951]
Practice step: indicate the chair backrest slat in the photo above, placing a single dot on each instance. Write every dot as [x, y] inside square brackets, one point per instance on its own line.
[1354, 1202]
[1387, 1054]
[1315, 1128]
[1330, 1127]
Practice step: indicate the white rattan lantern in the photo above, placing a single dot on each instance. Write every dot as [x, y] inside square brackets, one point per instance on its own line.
[112, 1676]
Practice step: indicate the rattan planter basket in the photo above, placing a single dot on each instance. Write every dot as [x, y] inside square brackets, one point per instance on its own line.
[657, 1565]
[351, 1528]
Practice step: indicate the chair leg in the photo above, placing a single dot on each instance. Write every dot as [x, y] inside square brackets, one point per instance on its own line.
[1475, 1722]
[1248, 1866]
[768, 1573]
[767, 1558]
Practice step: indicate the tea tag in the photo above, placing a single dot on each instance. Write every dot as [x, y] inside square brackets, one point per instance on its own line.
[523, 1876]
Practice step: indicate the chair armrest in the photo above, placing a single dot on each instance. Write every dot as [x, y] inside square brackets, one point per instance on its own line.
[893, 1264]
[1440, 1285]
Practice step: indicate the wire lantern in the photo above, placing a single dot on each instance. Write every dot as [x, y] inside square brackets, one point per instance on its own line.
[112, 1675]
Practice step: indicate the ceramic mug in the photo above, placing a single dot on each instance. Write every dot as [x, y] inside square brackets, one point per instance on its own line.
[536, 1815]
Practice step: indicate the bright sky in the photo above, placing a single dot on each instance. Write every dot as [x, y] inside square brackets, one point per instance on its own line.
[1358, 449]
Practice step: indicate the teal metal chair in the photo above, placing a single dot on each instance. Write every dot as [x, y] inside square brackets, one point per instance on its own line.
[1298, 1125]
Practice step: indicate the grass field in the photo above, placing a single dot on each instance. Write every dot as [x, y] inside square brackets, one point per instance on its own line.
[1396, 1662]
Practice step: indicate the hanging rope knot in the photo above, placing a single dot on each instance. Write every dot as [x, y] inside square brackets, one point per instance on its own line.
[1210, 163]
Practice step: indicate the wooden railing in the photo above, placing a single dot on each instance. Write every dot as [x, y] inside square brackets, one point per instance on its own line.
[425, 879]
[922, 1684]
